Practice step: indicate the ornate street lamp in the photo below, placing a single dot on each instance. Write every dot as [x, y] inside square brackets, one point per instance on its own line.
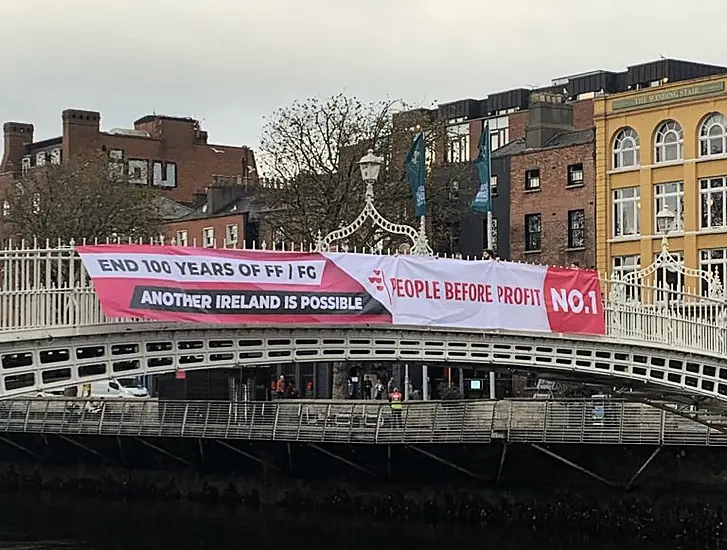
[664, 220]
[370, 166]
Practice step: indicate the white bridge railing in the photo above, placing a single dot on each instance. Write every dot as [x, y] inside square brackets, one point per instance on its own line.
[47, 286]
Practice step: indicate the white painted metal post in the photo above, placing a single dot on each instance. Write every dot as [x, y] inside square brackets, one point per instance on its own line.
[490, 236]
[406, 382]
[492, 385]
[425, 383]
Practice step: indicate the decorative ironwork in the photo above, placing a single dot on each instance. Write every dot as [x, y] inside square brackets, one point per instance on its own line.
[653, 349]
[419, 242]
[670, 263]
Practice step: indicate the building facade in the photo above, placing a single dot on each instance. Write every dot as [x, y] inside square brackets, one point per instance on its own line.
[168, 153]
[551, 187]
[226, 216]
[506, 115]
[663, 151]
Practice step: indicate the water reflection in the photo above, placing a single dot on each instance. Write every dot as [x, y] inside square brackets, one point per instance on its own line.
[62, 524]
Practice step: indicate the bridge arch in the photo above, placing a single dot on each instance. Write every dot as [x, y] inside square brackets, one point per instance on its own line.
[44, 360]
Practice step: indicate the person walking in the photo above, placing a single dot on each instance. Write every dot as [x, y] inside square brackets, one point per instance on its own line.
[395, 400]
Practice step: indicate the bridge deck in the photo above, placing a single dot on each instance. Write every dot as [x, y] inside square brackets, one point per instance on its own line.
[371, 422]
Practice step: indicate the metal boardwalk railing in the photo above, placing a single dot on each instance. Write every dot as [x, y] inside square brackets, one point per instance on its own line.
[47, 287]
[363, 422]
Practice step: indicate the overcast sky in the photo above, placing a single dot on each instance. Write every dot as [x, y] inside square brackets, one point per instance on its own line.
[231, 62]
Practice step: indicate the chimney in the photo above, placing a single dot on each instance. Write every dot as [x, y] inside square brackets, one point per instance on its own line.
[80, 130]
[549, 115]
[17, 136]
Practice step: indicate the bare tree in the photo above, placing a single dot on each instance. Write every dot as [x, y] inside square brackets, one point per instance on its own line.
[314, 147]
[87, 197]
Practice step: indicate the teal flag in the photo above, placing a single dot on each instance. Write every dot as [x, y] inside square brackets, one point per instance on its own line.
[416, 170]
[483, 200]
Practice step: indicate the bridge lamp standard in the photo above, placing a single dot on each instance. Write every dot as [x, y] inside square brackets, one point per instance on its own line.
[370, 166]
[664, 220]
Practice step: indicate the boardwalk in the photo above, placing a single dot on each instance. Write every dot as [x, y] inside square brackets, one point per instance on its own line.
[370, 423]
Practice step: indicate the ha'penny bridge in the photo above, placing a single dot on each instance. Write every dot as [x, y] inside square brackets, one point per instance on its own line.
[662, 359]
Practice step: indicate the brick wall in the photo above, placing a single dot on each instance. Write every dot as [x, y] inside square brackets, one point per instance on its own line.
[195, 230]
[517, 123]
[178, 143]
[583, 114]
[553, 201]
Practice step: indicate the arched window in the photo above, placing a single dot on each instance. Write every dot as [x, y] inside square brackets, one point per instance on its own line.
[669, 142]
[713, 136]
[626, 149]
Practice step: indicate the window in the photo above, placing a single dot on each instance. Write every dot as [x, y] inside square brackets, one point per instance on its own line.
[623, 265]
[231, 234]
[139, 171]
[713, 136]
[715, 261]
[6, 209]
[669, 142]
[499, 131]
[164, 174]
[116, 154]
[55, 156]
[671, 196]
[532, 180]
[532, 232]
[575, 174]
[26, 164]
[430, 151]
[41, 158]
[208, 235]
[182, 238]
[576, 228]
[493, 186]
[626, 212]
[458, 142]
[713, 201]
[626, 149]
[670, 281]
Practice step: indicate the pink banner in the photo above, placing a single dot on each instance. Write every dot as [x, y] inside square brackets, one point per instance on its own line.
[169, 283]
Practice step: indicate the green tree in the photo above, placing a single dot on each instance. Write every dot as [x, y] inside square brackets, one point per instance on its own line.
[87, 197]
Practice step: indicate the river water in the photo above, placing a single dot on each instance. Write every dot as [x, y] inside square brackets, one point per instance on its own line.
[54, 524]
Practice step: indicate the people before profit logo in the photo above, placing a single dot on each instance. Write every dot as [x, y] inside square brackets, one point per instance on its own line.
[377, 279]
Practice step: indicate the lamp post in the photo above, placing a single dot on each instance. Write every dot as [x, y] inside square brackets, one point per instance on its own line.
[370, 166]
[664, 220]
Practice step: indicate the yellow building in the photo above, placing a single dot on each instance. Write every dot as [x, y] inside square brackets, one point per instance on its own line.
[656, 148]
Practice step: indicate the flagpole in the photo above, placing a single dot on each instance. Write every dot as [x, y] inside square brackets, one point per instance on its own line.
[490, 236]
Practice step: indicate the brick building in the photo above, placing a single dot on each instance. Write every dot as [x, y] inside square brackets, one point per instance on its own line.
[226, 216]
[507, 114]
[551, 187]
[169, 153]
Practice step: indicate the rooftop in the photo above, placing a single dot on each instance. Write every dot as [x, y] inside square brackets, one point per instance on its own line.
[563, 139]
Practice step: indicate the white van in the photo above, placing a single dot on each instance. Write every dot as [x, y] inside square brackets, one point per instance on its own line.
[109, 389]
[134, 387]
